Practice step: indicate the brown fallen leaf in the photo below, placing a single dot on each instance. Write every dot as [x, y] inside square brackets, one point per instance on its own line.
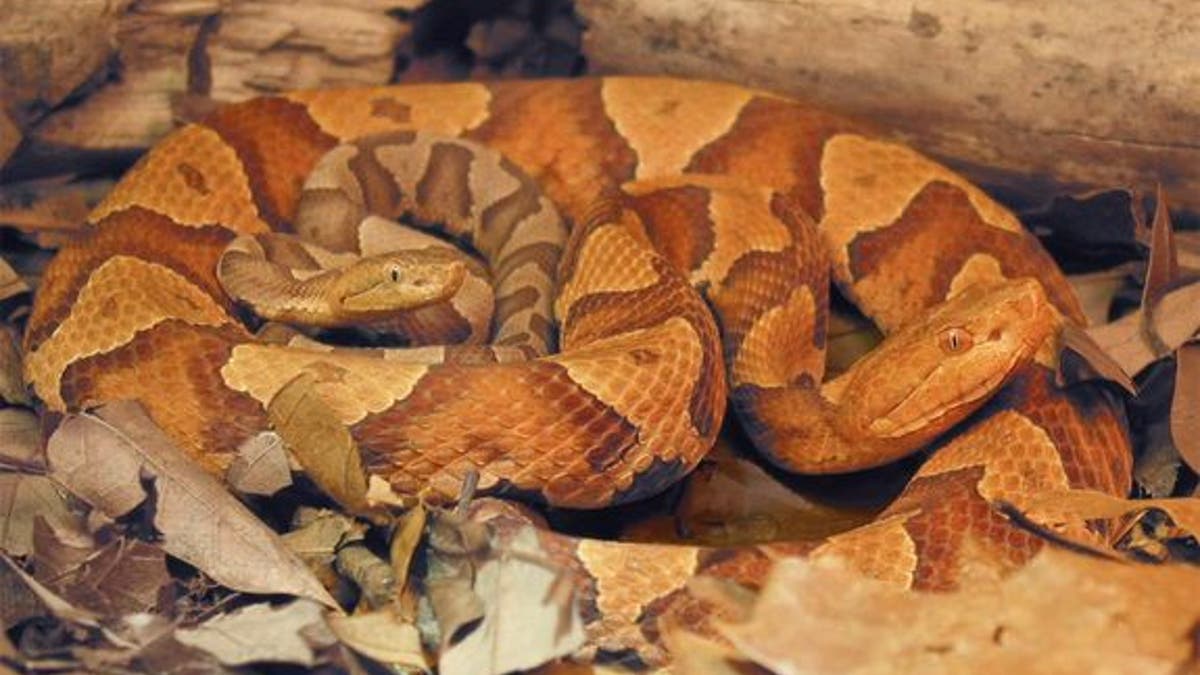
[261, 466]
[59, 552]
[124, 576]
[21, 440]
[145, 643]
[382, 636]
[1095, 290]
[1185, 404]
[23, 499]
[1082, 505]
[1062, 613]
[17, 600]
[1170, 311]
[11, 283]
[103, 457]
[1081, 359]
[522, 626]
[318, 535]
[53, 604]
[405, 541]
[1135, 342]
[260, 633]
[498, 598]
[12, 383]
[321, 444]
[1162, 268]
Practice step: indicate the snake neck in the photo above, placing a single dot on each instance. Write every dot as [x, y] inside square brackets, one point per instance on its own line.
[817, 430]
[274, 293]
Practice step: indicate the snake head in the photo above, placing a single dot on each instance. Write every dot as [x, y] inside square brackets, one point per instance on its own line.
[381, 285]
[937, 370]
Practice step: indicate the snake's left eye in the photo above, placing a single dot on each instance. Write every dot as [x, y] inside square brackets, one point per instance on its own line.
[955, 340]
[394, 271]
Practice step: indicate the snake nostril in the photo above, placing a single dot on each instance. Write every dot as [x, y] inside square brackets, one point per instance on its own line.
[994, 335]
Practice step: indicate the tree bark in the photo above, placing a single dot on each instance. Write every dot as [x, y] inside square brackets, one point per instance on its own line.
[1024, 96]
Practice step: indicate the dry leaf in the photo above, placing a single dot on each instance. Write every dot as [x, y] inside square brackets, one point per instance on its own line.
[320, 443]
[50, 600]
[21, 440]
[317, 540]
[146, 644]
[1081, 359]
[11, 283]
[382, 636]
[261, 633]
[102, 459]
[59, 552]
[12, 382]
[1062, 613]
[523, 623]
[1176, 320]
[381, 495]
[24, 498]
[405, 541]
[261, 466]
[1082, 505]
[125, 576]
[1185, 404]
[1162, 269]
[17, 600]
[1095, 290]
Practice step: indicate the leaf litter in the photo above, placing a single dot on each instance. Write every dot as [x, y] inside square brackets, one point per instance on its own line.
[95, 527]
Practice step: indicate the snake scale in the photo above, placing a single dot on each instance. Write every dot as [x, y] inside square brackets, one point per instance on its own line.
[598, 205]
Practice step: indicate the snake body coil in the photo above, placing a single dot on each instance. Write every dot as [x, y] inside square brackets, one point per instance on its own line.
[603, 203]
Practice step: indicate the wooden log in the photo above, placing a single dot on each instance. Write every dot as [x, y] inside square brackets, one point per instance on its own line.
[131, 65]
[1027, 97]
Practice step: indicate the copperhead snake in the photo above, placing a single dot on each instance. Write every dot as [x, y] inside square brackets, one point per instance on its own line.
[661, 184]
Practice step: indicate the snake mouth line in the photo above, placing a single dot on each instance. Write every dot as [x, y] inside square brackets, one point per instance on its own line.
[976, 395]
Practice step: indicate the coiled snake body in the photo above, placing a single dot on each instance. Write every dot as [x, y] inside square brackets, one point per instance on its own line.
[662, 184]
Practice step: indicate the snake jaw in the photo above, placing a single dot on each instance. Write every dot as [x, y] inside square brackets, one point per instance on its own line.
[402, 285]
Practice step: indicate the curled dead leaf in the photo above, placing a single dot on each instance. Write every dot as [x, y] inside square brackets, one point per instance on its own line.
[12, 383]
[320, 442]
[261, 633]
[1082, 505]
[11, 283]
[104, 457]
[382, 636]
[405, 541]
[261, 466]
[1063, 613]
[1081, 359]
[23, 499]
[21, 440]
[500, 600]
